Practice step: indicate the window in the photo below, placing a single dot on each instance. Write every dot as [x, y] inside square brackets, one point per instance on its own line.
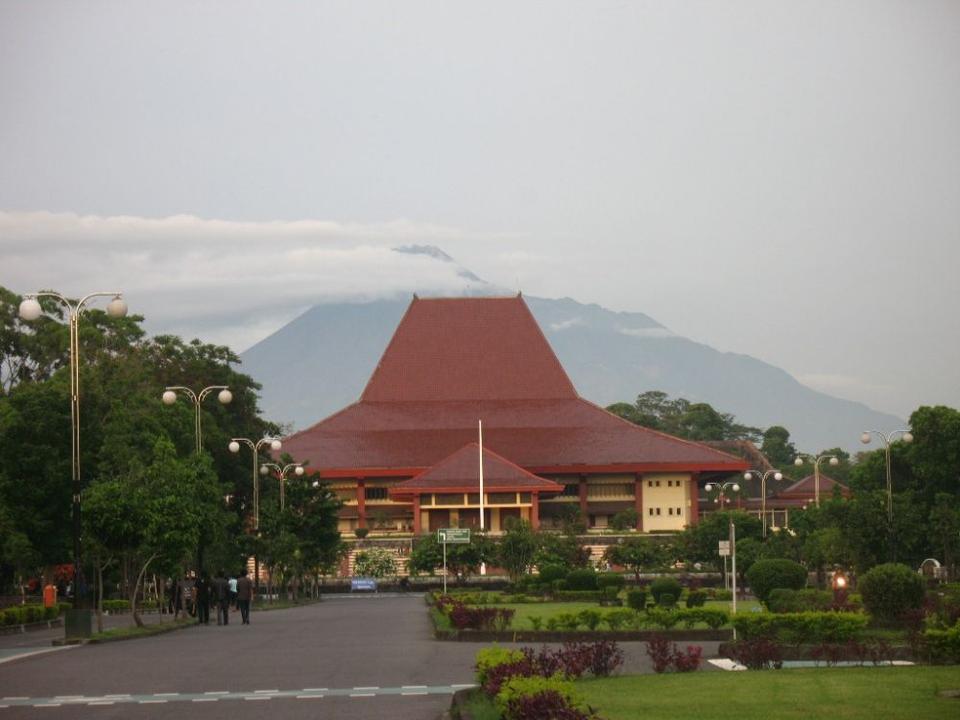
[658, 483]
[669, 511]
[678, 512]
[571, 490]
[669, 483]
[375, 493]
[658, 511]
[649, 483]
[651, 511]
[449, 499]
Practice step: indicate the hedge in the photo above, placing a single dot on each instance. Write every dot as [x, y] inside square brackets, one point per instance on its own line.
[22, 614]
[890, 590]
[783, 600]
[800, 628]
[577, 596]
[665, 586]
[581, 580]
[943, 646]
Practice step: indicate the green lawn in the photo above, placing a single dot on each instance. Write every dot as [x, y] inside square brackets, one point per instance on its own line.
[836, 693]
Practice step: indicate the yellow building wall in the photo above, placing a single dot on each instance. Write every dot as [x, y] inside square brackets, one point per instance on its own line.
[666, 501]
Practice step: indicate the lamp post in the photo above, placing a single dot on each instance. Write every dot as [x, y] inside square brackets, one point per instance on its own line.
[298, 470]
[170, 397]
[887, 438]
[777, 475]
[234, 447]
[733, 537]
[816, 460]
[30, 309]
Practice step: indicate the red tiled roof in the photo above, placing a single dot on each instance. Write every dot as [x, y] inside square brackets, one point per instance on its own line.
[468, 349]
[461, 472]
[454, 362]
[807, 487]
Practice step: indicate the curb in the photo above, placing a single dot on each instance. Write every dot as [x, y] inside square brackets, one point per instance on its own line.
[99, 641]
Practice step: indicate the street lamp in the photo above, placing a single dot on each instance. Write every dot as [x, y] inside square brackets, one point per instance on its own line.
[30, 309]
[887, 438]
[816, 459]
[234, 447]
[777, 475]
[732, 484]
[298, 469]
[170, 397]
[733, 537]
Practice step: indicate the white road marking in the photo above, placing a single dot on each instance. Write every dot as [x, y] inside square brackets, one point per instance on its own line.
[363, 694]
[316, 689]
[367, 687]
[308, 697]
[152, 702]
[415, 692]
[217, 692]
[265, 692]
[15, 697]
[101, 702]
[166, 694]
[258, 697]
[205, 699]
[413, 687]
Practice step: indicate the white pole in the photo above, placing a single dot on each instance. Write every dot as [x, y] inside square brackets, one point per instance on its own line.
[733, 563]
[483, 566]
[444, 535]
[480, 436]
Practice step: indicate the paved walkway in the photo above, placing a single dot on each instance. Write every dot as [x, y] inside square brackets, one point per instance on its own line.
[349, 657]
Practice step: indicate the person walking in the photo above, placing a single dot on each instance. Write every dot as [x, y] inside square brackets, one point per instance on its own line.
[221, 594]
[202, 593]
[244, 596]
[233, 592]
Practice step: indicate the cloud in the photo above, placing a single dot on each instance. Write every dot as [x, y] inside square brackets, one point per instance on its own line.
[566, 324]
[224, 281]
[648, 332]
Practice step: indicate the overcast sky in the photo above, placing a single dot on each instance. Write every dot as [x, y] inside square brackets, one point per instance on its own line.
[776, 179]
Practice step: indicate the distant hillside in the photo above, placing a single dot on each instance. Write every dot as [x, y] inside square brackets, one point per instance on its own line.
[320, 362]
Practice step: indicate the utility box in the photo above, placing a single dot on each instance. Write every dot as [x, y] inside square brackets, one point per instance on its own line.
[50, 596]
[78, 623]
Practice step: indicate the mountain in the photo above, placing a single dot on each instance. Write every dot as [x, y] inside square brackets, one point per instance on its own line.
[321, 360]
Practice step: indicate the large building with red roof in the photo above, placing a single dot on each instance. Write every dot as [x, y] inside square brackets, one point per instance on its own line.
[405, 456]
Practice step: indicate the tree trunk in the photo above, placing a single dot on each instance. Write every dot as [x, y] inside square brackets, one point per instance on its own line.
[136, 588]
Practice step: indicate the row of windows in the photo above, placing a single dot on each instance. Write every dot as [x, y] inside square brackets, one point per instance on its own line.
[656, 511]
[670, 483]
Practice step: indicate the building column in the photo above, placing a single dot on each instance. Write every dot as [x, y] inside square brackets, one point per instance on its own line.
[583, 500]
[694, 516]
[638, 500]
[495, 520]
[361, 503]
[535, 510]
[416, 514]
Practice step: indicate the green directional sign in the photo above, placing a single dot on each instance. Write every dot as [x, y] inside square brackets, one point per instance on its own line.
[453, 535]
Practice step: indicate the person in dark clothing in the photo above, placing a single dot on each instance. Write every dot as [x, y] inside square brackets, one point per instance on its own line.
[221, 594]
[201, 590]
[244, 596]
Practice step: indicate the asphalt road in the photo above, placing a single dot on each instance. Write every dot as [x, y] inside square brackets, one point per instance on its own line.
[351, 657]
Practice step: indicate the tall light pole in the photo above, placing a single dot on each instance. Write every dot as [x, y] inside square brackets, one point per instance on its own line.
[816, 460]
[777, 475]
[30, 310]
[297, 468]
[733, 537]
[234, 447]
[887, 438]
[170, 397]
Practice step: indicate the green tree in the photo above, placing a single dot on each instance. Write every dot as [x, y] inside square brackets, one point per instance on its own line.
[636, 553]
[699, 543]
[777, 446]
[463, 559]
[516, 549]
[375, 563]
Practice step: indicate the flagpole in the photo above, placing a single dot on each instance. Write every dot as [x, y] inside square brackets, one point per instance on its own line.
[483, 566]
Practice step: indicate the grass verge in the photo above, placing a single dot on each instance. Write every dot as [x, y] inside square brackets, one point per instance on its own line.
[864, 693]
[133, 632]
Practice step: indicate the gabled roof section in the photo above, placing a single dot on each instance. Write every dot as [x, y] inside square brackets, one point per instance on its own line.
[807, 487]
[448, 349]
[461, 472]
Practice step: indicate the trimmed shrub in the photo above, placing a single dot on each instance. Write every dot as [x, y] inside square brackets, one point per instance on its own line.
[637, 599]
[536, 622]
[611, 580]
[665, 586]
[624, 520]
[696, 598]
[617, 619]
[667, 600]
[942, 646]
[491, 657]
[664, 655]
[568, 621]
[759, 653]
[799, 628]
[765, 576]
[549, 573]
[782, 600]
[890, 591]
[521, 698]
[590, 618]
[609, 594]
[662, 617]
[581, 580]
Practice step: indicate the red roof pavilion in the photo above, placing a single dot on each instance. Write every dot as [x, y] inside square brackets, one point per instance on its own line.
[454, 361]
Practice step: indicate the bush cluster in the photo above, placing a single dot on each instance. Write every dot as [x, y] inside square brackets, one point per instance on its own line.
[890, 591]
[116, 605]
[22, 614]
[571, 661]
[581, 580]
[782, 600]
[463, 617]
[942, 646]
[798, 628]
[666, 591]
[665, 655]
[765, 576]
[654, 617]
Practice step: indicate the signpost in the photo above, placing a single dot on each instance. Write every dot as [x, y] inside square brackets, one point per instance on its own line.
[454, 536]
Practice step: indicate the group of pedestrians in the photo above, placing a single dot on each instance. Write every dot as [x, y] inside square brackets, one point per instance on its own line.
[224, 593]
